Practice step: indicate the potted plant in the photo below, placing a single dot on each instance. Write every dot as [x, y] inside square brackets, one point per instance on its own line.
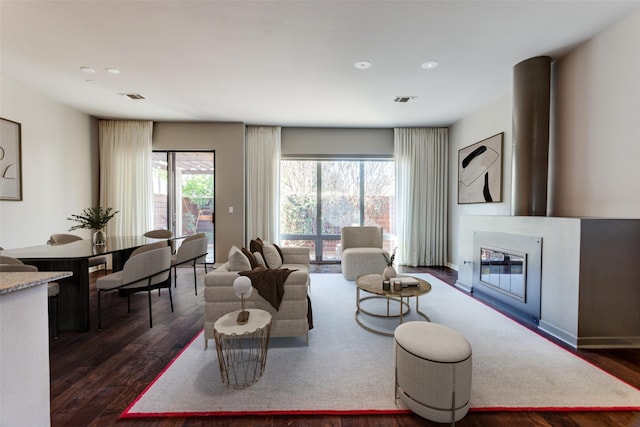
[389, 271]
[95, 219]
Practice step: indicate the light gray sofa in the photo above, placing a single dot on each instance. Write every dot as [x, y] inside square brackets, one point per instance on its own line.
[291, 318]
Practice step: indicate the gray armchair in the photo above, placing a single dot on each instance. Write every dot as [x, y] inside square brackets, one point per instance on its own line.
[362, 251]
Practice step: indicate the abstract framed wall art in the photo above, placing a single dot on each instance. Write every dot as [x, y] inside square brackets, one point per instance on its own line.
[10, 160]
[480, 171]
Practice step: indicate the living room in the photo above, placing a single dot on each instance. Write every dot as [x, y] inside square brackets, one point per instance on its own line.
[593, 151]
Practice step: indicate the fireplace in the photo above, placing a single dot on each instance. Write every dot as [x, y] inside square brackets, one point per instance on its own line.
[507, 272]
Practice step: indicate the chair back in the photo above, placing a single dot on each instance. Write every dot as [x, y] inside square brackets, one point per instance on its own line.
[146, 264]
[149, 247]
[63, 239]
[17, 268]
[9, 260]
[192, 247]
[159, 234]
[369, 236]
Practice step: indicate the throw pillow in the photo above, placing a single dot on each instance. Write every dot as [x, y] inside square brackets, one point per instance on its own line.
[255, 245]
[271, 255]
[237, 260]
[279, 251]
[259, 259]
[250, 257]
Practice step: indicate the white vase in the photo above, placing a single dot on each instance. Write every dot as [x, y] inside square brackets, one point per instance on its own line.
[389, 272]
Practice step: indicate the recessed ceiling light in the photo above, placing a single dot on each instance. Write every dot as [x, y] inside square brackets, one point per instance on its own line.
[112, 70]
[134, 96]
[429, 65]
[363, 65]
[403, 99]
[87, 69]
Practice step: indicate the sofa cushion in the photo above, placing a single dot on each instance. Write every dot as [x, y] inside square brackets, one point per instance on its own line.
[238, 261]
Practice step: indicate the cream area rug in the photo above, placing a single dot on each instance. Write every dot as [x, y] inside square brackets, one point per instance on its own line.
[348, 370]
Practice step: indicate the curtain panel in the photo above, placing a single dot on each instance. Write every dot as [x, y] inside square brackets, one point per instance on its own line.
[421, 163]
[125, 175]
[262, 167]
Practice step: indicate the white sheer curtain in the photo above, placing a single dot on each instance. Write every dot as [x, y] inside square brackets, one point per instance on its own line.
[125, 175]
[421, 195]
[263, 178]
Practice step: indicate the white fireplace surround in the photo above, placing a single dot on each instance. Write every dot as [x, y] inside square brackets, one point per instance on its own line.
[589, 276]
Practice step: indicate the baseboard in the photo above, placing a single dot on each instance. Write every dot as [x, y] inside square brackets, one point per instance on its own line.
[464, 286]
[609, 342]
[452, 266]
[558, 333]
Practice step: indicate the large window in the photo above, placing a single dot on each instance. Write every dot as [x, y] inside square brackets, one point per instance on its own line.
[319, 197]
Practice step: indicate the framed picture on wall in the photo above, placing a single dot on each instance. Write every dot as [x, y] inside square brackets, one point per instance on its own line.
[480, 171]
[10, 160]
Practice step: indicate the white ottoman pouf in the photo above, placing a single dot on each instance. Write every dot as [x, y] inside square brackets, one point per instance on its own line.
[433, 370]
[359, 261]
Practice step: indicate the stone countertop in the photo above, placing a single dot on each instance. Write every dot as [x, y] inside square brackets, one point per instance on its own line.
[11, 282]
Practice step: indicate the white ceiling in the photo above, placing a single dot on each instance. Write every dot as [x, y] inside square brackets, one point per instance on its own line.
[287, 63]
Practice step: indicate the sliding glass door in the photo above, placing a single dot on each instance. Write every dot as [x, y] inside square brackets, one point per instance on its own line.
[183, 188]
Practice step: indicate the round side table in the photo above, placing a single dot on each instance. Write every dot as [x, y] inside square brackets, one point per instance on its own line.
[242, 349]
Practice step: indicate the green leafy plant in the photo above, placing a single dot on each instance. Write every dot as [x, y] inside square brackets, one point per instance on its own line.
[390, 259]
[94, 218]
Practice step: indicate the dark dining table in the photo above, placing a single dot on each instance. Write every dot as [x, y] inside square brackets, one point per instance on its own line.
[73, 312]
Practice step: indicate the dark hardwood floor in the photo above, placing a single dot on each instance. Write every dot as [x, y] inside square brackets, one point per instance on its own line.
[95, 375]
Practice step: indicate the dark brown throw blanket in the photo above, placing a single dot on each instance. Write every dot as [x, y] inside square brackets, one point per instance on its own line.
[269, 283]
[270, 286]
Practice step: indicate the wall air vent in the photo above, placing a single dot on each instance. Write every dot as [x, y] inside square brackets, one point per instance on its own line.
[403, 98]
[133, 95]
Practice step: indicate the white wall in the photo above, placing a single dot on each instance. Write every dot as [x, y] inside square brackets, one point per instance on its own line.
[597, 139]
[493, 119]
[59, 166]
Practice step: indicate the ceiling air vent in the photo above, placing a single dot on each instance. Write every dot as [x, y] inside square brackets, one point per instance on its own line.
[403, 98]
[133, 95]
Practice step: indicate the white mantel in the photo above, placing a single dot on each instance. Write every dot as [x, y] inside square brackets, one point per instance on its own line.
[590, 274]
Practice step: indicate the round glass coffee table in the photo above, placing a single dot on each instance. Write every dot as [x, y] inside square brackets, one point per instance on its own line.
[372, 284]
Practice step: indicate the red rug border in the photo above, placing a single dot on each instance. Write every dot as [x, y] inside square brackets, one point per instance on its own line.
[368, 412]
[127, 414]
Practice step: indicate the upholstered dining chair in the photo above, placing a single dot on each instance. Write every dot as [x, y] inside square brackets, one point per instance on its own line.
[159, 234]
[63, 239]
[192, 249]
[149, 268]
[9, 264]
